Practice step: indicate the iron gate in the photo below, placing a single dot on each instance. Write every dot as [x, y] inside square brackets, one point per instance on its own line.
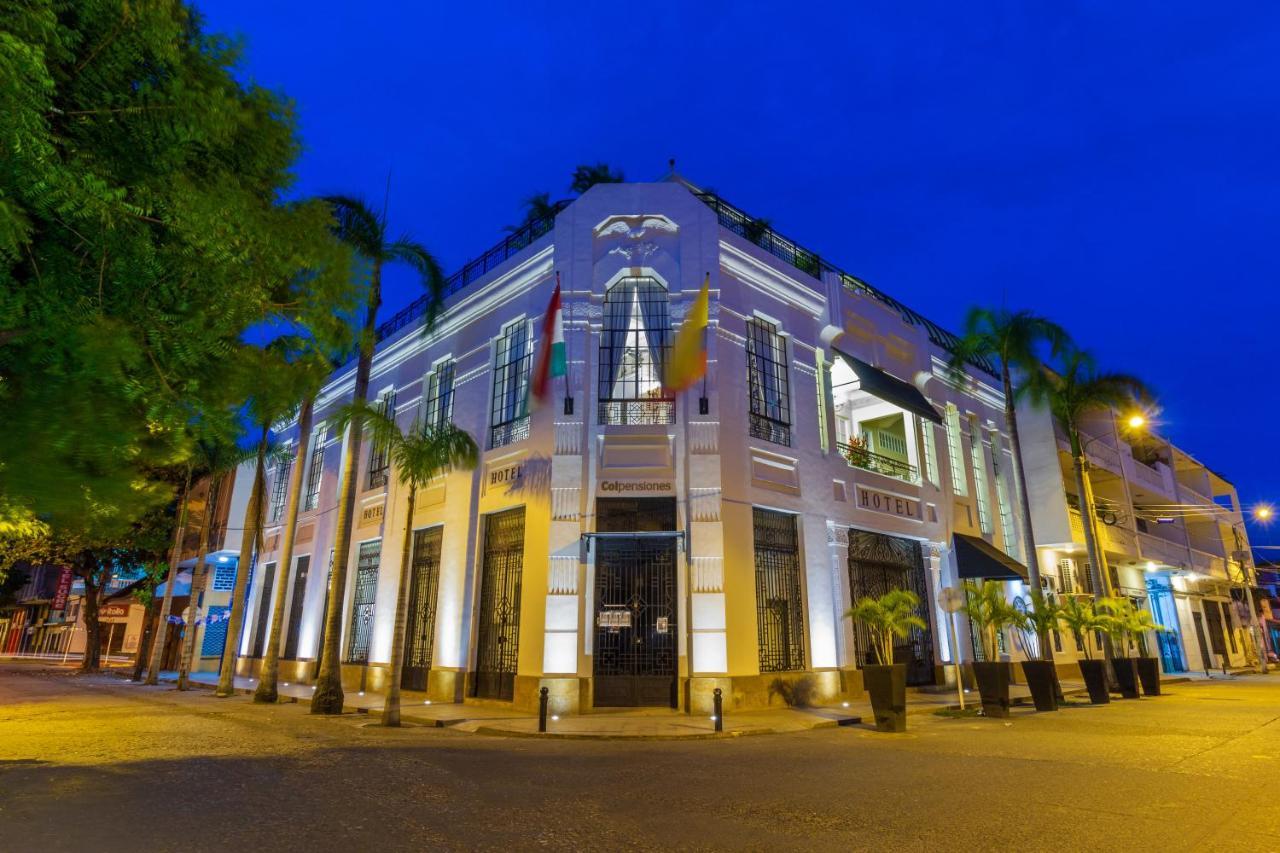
[264, 610]
[420, 632]
[300, 573]
[779, 605]
[498, 637]
[877, 564]
[362, 605]
[634, 659]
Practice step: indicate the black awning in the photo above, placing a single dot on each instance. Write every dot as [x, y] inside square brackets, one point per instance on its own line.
[978, 559]
[891, 389]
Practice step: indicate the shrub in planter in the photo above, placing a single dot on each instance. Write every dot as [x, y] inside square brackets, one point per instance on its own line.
[1140, 626]
[1116, 617]
[990, 612]
[1035, 623]
[891, 615]
[1080, 618]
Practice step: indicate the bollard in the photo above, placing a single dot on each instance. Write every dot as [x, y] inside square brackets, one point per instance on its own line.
[717, 704]
[542, 709]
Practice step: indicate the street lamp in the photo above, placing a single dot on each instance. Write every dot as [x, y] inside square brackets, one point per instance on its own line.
[1136, 421]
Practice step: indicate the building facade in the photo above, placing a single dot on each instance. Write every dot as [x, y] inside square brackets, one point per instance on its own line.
[622, 546]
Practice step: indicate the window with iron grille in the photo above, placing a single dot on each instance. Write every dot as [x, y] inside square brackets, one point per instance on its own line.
[779, 601]
[930, 451]
[955, 458]
[769, 388]
[280, 489]
[264, 610]
[1008, 532]
[979, 477]
[379, 452]
[438, 402]
[635, 343]
[509, 417]
[316, 472]
[362, 603]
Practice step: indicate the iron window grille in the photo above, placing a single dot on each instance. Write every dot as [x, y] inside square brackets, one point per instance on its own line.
[379, 451]
[438, 406]
[316, 472]
[635, 344]
[301, 572]
[779, 600]
[280, 489]
[498, 633]
[509, 416]
[264, 609]
[769, 387]
[420, 631]
[877, 564]
[362, 605]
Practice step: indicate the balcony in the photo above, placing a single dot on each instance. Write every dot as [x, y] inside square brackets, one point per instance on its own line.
[1112, 537]
[858, 457]
[1190, 494]
[1161, 551]
[1155, 479]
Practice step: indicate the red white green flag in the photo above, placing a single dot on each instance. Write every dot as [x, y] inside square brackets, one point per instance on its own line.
[551, 359]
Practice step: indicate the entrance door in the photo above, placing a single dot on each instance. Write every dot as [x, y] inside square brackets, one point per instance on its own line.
[635, 654]
[420, 629]
[498, 638]
[1205, 656]
[877, 564]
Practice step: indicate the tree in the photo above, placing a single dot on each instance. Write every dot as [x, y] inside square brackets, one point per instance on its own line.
[1016, 341]
[175, 557]
[140, 235]
[1074, 391]
[144, 592]
[586, 176]
[366, 234]
[536, 207]
[419, 455]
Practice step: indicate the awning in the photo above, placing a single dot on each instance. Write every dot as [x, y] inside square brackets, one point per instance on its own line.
[977, 559]
[891, 389]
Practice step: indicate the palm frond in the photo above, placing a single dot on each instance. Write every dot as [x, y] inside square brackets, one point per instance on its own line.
[587, 176]
[421, 455]
[357, 225]
[416, 256]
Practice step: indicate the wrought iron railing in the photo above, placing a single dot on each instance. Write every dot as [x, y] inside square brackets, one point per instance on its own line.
[759, 232]
[636, 412]
[858, 457]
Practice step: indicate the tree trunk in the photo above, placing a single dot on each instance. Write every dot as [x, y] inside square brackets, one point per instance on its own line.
[198, 582]
[148, 637]
[328, 697]
[175, 556]
[391, 707]
[267, 691]
[92, 627]
[1024, 501]
[1097, 568]
[252, 527]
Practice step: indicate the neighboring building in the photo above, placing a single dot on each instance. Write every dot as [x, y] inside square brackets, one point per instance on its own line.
[1269, 604]
[623, 547]
[226, 507]
[1170, 529]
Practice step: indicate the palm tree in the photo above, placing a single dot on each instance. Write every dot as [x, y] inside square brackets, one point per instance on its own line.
[1014, 340]
[1073, 392]
[537, 206]
[162, 623]
[894, 614]
[419, 455]
[586, 176]
[217, 458]
[366, 233]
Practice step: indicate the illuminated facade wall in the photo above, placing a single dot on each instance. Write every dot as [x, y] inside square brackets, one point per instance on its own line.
[769, 437]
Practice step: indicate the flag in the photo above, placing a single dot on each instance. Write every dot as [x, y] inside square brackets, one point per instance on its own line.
[688, 361]
[551, 361]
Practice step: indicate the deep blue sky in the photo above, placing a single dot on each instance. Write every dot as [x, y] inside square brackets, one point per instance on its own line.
[1111, 165]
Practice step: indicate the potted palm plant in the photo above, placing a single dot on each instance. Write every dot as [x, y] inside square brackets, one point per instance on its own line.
[1116, 615]
[1080, 618]
[1035, 623]
[990, 613]
[891, 615]
[1140, 625]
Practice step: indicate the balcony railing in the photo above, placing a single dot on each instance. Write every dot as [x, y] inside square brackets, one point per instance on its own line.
[859, 458]
[758, 232]
[1145, 475]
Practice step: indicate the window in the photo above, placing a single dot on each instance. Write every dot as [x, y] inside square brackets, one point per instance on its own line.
[768, 386]
[438, 400]
[634, 345]
[316, 472]
[979, 477]
[509, 417]
[362, 605]
[779, 603]
[280, 489]
[264, 610]
[955, 457]
[824, 441]
[300, 573]
[930, 451]
[1012, 545]
[379, 452]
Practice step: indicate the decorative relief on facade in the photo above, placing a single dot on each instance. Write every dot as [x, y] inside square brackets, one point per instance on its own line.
[564, 503]
[569, 438]
[637, 252]
[708, 574]
[704, 436]
[704, 504]
[562, 578]
[837, 535]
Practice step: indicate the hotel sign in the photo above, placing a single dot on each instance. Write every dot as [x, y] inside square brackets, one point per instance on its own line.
[888, 503]
[372, 514]
[63, 590]
[615, 487]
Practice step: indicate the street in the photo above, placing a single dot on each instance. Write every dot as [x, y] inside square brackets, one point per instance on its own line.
[92, 762]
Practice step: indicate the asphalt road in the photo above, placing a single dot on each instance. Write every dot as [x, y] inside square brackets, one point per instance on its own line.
[92, 763]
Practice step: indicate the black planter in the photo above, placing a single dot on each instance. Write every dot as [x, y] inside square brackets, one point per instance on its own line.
[1126, 670]
[1043, 681]
[887, 686]
[993, 686]
[1149, 675]
[1095, 678]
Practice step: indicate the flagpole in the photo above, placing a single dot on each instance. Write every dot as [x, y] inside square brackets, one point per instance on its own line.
[567, 408]
[704, 405]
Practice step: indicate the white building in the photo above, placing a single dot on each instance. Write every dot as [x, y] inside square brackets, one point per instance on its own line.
[624, 548]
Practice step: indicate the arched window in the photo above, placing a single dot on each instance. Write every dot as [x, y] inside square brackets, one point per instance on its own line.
[634, 346]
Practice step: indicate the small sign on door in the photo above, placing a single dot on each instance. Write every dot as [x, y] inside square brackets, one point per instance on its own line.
[660, 624]
[614, 619]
